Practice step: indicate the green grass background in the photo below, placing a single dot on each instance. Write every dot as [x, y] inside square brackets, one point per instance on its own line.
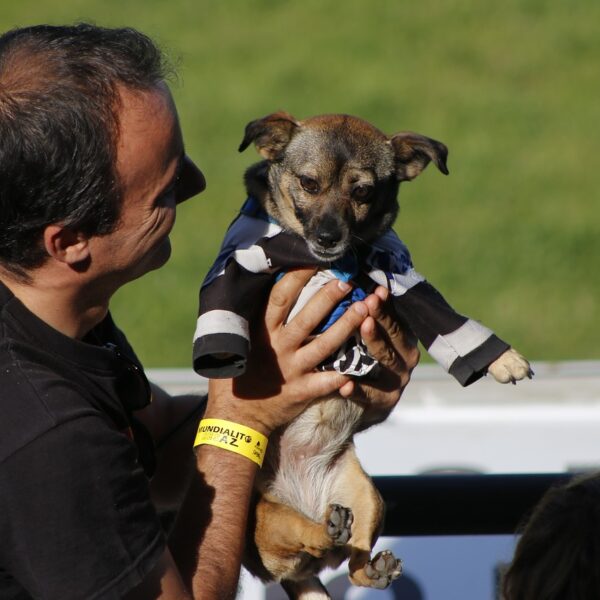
[513, 88]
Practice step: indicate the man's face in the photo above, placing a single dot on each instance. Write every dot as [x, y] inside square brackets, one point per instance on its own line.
[154, 175]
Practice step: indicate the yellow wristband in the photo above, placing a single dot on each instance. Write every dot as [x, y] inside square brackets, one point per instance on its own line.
[233, 437]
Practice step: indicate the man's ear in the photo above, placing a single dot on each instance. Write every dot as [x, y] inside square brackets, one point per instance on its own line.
[271, 134]
[65, 245]
[413, 153]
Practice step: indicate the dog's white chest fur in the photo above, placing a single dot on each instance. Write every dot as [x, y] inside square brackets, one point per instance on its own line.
[308, 454]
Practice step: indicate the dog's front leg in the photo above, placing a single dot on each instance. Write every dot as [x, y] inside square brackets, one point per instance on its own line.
[355, 488]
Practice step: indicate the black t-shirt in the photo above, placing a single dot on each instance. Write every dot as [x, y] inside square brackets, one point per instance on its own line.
[76, 519]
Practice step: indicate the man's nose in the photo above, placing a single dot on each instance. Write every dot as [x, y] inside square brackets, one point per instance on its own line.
[191, 181]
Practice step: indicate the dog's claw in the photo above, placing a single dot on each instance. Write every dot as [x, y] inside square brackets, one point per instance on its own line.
[383, 568]
[339, 524]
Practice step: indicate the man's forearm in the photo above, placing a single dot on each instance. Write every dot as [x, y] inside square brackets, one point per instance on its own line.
[209, 536]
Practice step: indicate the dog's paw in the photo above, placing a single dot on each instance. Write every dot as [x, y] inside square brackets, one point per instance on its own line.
[510, 367]
[339, 524]
[382, 569]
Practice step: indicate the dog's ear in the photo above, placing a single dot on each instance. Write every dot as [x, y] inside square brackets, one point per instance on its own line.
[413, 153]
[271, 134]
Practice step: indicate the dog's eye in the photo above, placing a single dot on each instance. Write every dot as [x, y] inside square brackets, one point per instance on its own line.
[309, 184]
[362, 192]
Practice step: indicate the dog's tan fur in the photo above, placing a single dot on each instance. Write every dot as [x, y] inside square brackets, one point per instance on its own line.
[334, 180]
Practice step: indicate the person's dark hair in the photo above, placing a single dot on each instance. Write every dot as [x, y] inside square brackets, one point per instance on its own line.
[59, 130]
[558, 555]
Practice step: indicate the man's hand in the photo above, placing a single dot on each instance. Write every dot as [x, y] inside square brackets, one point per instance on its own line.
[280, 379]
[397, 353]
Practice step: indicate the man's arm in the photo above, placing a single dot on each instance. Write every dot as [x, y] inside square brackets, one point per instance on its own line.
[280, 381]
[208, 541]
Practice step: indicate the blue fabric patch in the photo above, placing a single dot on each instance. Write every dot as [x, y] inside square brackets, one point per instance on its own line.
[345, 268]
[356, 295]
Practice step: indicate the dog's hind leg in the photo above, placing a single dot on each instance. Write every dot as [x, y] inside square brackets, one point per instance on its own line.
[290, 543]
[355, 488]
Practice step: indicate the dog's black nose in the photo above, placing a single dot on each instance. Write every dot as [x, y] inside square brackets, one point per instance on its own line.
[327, 238]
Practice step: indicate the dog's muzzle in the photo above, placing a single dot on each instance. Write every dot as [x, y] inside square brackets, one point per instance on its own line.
[329, 240]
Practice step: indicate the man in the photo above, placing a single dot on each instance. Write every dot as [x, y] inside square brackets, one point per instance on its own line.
[92, 166]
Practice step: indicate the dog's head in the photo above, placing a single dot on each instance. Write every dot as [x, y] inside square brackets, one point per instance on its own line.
[333, 179]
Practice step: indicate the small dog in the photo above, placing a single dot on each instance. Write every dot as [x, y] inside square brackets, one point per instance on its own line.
[333, 180]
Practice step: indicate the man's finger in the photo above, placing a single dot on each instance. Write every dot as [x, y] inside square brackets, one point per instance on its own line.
[302, 325]
[322, 383]
[379, 347]
[284, 295]
[403, 341]
[324, 345]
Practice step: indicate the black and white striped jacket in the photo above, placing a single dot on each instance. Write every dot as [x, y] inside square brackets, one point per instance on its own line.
[255, 250]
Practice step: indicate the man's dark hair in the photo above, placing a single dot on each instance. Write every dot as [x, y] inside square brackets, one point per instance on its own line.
[59, 130]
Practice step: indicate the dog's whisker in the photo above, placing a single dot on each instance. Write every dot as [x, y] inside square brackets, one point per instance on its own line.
[362, 240]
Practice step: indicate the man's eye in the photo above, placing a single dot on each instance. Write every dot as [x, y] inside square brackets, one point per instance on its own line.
[309, 184]
[362, 192]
